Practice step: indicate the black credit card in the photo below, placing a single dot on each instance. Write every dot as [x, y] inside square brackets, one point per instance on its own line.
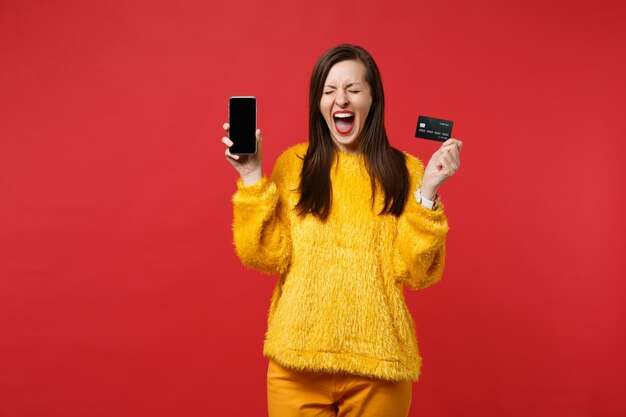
[435, 129]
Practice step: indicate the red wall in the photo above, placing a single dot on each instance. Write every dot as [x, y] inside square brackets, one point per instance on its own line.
[120, 294]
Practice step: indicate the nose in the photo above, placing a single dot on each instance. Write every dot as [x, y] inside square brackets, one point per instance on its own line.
[341, 99]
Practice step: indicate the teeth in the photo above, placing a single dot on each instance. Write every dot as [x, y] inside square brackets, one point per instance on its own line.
[343, 115]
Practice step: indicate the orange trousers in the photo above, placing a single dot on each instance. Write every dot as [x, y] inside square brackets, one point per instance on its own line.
[312, 394]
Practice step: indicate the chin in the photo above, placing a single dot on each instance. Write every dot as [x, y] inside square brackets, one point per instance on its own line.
[350, 142]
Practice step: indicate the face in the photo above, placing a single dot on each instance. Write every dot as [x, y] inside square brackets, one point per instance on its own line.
[345, 103]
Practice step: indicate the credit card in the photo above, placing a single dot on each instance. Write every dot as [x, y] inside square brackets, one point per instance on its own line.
[434, 129]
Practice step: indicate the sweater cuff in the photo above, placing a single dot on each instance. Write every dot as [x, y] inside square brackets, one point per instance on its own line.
[263, 190]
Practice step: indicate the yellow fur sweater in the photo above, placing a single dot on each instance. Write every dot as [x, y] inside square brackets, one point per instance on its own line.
[339, 304]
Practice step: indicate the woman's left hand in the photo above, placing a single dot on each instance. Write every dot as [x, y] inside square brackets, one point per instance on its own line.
[444, 163]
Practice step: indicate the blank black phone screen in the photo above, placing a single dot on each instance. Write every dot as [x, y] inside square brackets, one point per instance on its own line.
[242, 120]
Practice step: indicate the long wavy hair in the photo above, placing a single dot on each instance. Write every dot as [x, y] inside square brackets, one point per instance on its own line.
[386, 166]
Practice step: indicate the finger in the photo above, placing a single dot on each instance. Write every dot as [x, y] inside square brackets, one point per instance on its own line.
[452, 142]
[441, 163]
[454, 152]
[226, 141]
[446, 159]
[457, 142]
[446, 149]
[226, 127]
[230, 155]
[444, 168]
[448, 144]
[259, 136]
[449, 157]
[450, 166]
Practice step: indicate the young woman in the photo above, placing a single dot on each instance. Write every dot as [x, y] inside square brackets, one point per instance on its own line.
[347, 221]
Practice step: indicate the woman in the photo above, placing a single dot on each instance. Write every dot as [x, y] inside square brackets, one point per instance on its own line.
[346, 220]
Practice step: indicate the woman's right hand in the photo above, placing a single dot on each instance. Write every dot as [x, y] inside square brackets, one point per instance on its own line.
[248, 166]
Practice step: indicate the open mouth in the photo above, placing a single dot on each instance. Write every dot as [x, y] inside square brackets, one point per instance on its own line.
[344, 121]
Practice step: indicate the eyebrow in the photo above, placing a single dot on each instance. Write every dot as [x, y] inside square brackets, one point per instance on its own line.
[347, 86]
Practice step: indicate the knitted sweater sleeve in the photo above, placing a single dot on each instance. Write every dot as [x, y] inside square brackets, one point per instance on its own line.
[421, 237]
[261, 234]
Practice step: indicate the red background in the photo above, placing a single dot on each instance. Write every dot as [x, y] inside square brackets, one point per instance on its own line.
[120, 294]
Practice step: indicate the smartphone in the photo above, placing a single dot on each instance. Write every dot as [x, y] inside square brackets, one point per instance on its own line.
[242, 120]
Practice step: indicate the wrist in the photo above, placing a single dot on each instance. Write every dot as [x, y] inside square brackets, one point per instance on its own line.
[429, 203]
[252, 178]
[428, 193]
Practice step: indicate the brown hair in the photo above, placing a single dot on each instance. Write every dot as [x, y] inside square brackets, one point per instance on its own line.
[385, 165]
